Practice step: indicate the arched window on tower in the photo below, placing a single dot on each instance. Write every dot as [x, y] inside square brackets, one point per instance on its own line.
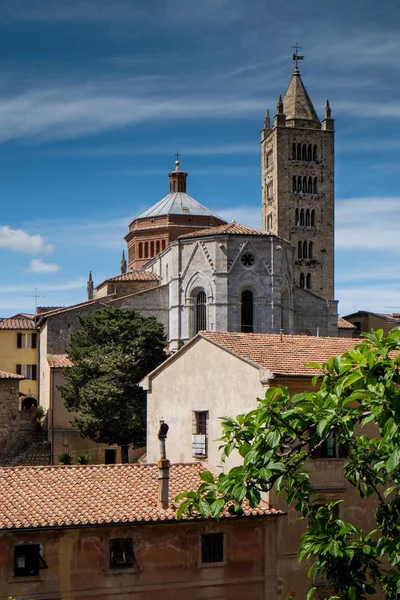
[313, 218]
[302, 280]
[302, 217]
[146, 250]
[307, 217]
[310, 250]
[315, 190]
[294, 186]
[298, 151]
[299, 250]
[151, 249]
[293, 151]
[157, 246]
[305, 255]
[299, 188]
[247, 312]
[174, 186]
[201, 312]
[308, 281]
[296, 218]
[314, 157]
[163, 245]
[304, 153]
[140, 250]
[310, 185]
[309, 153]
[305, 185]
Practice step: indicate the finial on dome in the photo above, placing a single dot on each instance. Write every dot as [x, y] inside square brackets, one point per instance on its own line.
[177, 162]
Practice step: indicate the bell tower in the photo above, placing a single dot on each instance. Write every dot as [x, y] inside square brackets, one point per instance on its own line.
[297, 166]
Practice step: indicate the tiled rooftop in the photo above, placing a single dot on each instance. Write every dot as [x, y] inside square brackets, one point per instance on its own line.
[58, 360]
[5, 375]
[134, 276]
[17, 323]
[228, 229]
[67, 496]
[343, 324]
[286, 356]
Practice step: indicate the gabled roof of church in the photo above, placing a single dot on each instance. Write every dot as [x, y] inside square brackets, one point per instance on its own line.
[133, 276]
[297, 103]
[177, 203]
[228, 229]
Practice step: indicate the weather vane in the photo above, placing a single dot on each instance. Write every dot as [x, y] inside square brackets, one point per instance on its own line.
[296, 57]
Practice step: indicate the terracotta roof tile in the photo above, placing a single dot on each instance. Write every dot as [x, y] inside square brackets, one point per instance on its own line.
[228, 229]
[134, 276]
[343, 324]
[286, 356]
[13, 323]
[5, 375]
[58, 360]
[62, 496]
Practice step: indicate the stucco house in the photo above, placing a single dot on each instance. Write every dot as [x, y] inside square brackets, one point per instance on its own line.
[218, 374]
[102, 532]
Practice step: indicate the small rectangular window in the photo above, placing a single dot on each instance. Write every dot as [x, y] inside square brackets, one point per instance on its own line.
[329, 448]
[110, 457]
[199, 433]
[270, 190]
[269, 159]
[212, 547]
[121, 553]
[27, 560]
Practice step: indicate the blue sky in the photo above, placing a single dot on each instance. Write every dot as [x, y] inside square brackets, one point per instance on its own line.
[96, 96]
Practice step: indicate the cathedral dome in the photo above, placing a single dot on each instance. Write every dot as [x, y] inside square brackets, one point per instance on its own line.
[174, 215]
[177, 203]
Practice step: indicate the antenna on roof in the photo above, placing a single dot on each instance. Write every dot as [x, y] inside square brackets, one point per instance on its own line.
[36, 296]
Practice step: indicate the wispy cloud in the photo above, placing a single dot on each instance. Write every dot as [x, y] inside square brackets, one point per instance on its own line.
[239, 148]
[18, 240]
[72, 284]
[38, 266]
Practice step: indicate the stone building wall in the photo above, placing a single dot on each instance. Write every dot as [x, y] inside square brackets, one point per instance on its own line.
[15, 427]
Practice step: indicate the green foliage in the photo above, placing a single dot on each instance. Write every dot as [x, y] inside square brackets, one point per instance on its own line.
[83, 459]
[111, 353]
[66, 458]
[276, 442]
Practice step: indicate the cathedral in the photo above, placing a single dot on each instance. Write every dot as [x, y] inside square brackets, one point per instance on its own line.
[193, 271]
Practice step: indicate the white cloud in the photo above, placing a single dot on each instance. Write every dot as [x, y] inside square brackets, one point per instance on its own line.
[18, 240]
[38, 266]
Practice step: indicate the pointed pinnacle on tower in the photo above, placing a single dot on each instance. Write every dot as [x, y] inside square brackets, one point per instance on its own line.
[90, 287]
[267, 120]
[123, 263]
[279, 106]
[327, 109]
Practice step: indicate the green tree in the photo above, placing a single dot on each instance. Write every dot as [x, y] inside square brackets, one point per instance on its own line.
[112, 351]
[279, 437]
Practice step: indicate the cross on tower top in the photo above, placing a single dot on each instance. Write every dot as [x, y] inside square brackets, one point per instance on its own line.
[177, 155]
[296, 57]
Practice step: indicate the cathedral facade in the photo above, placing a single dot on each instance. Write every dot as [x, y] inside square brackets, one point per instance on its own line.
[206, 274]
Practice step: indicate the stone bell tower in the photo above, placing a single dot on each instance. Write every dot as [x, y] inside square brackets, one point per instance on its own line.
[297, 166]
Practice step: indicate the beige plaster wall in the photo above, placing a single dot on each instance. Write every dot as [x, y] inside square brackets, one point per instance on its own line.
[203, 378]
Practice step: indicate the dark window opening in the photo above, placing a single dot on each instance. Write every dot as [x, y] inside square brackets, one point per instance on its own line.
[299, 188]
[140, 250]
[201, 312]
[297, 219]
[294, 184]
[199, 433]
[310, 185]
[305, 254]
[298, 151]
[299, 250]
[247, 311]
[163, 245]
[309, 155]
[293, 151]
[27, 560]
[146, 250]
[302, 280]
[315, 190]
[308, 281]
[110, 457]
[121, 553]
[307, 218]
[304, 153]
[311, 250]
[302, 217]
[313, 218]
[305, 185]
[157, 246]
[315, 154]
[212, 547]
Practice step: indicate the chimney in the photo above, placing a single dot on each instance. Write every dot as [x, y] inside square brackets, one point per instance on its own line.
[163, 468]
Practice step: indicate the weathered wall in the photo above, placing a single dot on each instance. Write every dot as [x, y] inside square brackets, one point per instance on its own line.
[15, 428]
[314, 315]
[167, 563]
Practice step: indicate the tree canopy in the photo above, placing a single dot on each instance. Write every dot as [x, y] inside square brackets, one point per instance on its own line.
[279, 437]
[111, 352]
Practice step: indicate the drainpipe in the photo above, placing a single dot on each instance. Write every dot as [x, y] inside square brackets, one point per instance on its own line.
[163, 468]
